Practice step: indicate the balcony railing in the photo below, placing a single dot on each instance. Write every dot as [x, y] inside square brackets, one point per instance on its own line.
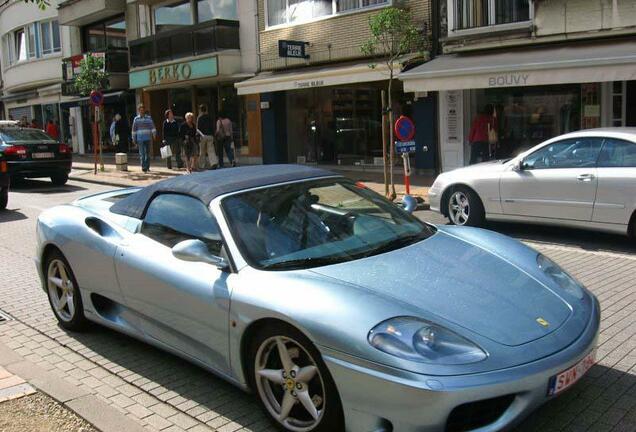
[115, 62]
[190, 41]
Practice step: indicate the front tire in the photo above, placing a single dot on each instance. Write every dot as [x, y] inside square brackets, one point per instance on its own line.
[465, 208]
[59, 179]
[292, 382]
[4, 197]
[63, 292]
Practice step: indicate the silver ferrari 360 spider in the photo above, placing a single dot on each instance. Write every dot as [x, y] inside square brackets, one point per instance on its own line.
[337, 308]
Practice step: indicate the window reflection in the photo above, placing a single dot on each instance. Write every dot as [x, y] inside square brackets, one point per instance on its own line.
[173, 16]
[216, 9]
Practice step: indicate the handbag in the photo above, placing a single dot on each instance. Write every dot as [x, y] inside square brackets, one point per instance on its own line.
[166, 152]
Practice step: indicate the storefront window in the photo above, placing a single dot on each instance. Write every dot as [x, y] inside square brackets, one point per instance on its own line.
[339, 125]
[173, 16]
[216, 9]
[526, 116]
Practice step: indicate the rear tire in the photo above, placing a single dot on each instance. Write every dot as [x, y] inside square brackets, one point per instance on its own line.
[63, 292]
[464, 207]
[4, 197]
[59, 179]
[284, 394]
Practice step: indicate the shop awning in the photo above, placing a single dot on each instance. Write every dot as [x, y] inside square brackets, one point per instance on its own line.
[322, 76]
[574, 62]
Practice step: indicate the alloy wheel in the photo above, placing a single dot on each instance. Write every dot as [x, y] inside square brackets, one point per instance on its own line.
[61, 290]
[459, 208]
[289, 383]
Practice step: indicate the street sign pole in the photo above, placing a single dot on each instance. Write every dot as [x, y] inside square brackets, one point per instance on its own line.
[407, 172]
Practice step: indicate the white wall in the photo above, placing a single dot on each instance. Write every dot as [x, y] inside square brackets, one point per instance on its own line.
[572, 16]
[37, 72]
[248, 34]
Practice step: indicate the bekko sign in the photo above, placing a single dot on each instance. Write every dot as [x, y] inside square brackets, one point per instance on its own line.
[174, 72]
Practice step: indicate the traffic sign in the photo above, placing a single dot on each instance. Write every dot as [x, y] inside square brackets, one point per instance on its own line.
[97, 98]
[404, 129]
[405, 146]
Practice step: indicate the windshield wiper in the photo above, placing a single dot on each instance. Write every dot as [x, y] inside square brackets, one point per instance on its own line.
[396, 243]
[302, 263]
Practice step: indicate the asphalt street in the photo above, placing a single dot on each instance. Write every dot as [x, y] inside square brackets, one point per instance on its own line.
[161, 392]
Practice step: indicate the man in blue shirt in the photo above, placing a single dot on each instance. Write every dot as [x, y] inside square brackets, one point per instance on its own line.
[143, 132]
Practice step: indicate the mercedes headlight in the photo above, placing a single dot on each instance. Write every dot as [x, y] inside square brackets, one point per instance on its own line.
[562, 279]
[421, 341]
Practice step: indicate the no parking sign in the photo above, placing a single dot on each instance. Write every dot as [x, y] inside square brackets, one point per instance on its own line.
[404, 129]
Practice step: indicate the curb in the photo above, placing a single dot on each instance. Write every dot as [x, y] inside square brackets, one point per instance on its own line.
[101, 182]
[86, 405]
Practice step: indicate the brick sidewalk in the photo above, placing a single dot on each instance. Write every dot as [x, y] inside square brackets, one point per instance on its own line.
[83, 170]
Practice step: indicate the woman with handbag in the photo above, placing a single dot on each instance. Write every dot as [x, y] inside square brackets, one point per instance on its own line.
[483, 135]
[170, 136]
[189, 135]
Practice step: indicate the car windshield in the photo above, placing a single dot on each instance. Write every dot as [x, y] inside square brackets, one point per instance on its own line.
[320, 222]
[21, 135]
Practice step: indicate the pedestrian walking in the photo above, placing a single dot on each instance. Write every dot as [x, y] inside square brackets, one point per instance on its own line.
[143, 133]
[52, 130]
[190, 136]
[223, 139]
[481, 132]
[122, 133]
[170, 136]
[207, 152]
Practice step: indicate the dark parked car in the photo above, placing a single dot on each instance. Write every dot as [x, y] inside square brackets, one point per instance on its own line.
[30, 153]
[4, 182]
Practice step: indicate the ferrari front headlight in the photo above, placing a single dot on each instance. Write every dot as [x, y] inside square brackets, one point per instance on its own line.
[560, 277]
[421, 341]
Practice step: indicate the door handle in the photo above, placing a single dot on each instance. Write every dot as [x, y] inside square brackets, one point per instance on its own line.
[585, 177]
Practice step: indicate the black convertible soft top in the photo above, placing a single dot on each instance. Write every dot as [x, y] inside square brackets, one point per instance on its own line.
[207, 185]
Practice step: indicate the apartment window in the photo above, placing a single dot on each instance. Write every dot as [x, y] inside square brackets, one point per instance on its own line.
[172, 16]
[480, 13]
[33, 37]
[105, 35]
[49, 37]
[298, 11]
[19, 40]
[208, 10]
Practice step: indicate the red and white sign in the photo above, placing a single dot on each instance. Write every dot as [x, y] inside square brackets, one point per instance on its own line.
[569, 377]
[404, 129]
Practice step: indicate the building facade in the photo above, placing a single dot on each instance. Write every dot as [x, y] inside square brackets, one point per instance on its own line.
[165, 54]
[316, 98]
[32, 47]
[543, 67]
[95, 29]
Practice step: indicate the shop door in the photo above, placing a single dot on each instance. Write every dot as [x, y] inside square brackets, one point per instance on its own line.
[557, 181]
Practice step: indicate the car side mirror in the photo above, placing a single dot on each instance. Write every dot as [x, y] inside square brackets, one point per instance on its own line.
[409, 204]
[518, 165]
[197, 251]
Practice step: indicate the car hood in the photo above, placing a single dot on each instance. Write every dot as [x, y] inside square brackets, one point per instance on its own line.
[454, 277]
[489, 166]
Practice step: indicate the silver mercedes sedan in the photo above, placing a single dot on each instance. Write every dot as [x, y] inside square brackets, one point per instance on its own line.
[584, 179]
[337, 308]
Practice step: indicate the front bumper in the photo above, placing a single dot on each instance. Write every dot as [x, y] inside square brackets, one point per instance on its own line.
[434, 200]
[376, 397]
[44, 168]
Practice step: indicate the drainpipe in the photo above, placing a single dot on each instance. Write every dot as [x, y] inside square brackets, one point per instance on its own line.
[435, 28]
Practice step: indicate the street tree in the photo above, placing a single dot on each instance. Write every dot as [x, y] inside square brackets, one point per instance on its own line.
[91, 76]
[393, 36]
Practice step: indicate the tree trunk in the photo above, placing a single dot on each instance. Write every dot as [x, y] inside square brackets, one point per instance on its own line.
[393, 195]
[385, 162]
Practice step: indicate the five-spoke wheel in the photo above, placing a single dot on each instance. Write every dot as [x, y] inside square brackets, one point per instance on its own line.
[64, 295]
[292, 382]
[465, 207]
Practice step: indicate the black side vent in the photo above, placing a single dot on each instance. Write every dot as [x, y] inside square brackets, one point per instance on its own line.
[475, 415]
